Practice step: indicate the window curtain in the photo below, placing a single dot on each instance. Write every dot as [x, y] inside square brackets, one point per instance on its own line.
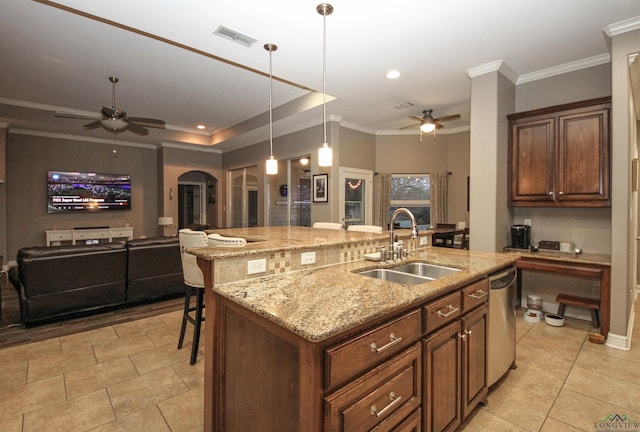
[381, 199]
[439, 198]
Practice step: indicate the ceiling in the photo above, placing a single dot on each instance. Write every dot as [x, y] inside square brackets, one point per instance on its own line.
[58, 55]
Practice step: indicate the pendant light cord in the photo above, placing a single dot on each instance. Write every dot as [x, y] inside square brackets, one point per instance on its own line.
[270, 103]
[324, 74]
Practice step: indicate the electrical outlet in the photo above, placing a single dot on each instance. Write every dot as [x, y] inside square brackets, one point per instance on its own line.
[424, 240]
[527, 222]
[307, 258]
[257, 266]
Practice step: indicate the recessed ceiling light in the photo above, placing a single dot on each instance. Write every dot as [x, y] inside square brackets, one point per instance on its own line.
[201, 126]
[393, 74]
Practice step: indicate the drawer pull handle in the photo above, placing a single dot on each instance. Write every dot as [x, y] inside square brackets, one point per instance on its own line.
[393, 339]
[452, 310]
[394, 400]
[478, 294]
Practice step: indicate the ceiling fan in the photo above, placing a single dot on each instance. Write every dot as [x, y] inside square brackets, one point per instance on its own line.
[428, 124]
[115, 120]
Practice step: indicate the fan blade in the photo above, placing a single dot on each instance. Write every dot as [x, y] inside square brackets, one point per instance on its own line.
[419, 119]
[136, 129]
[93, 125]
[75, 116]
[448, 118]
[410, 126]
[439, 126]
[147, 121]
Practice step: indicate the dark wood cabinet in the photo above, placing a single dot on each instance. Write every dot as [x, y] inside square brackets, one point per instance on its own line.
[560, 156]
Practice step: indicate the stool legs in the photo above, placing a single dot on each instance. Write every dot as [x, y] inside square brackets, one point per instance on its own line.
[196, 320]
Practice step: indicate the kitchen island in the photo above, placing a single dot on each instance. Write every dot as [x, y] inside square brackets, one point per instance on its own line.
[317, 347]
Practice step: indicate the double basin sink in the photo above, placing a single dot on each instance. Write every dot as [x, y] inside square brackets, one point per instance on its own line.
[411, 273]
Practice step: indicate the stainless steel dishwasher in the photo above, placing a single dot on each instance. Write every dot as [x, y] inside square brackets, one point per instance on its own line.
[501, 351]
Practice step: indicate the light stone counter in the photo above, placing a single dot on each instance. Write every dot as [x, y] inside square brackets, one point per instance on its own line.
[324, 301]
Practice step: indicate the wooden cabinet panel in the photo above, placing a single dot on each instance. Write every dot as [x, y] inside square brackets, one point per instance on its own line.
[380, 399]
[474, 360]
[560, 156]
[441, 380]
[442, 311]
[475, 295]
[413, 423]
[356, 355]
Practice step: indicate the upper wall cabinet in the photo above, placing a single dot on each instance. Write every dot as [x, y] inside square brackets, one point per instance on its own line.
[560, 156]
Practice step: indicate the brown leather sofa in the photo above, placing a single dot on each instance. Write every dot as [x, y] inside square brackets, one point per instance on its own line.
[53, 282]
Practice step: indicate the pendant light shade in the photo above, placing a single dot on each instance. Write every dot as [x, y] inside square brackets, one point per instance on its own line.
[272, 164]
[325, 154]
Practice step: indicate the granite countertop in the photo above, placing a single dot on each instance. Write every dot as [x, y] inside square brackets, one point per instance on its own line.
[581, 258]
[326, 301]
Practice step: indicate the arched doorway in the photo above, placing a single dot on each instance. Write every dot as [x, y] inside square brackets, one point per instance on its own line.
[197, 199]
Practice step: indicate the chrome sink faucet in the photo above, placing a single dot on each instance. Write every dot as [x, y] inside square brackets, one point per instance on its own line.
[393, 253]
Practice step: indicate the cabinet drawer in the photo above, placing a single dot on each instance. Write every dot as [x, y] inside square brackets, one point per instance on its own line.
[91, 235]
[356, 355]
[116, 233]
[442, 311]
[475, 294]
[380, 399]
[59, 236]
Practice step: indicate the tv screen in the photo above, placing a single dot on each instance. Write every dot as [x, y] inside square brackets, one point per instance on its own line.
[78, 191]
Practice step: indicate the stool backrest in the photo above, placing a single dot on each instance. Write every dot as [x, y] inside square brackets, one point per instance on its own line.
[328, 225]
[365, 228]
[190, 270]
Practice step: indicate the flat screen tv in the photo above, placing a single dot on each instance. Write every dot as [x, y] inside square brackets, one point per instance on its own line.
[85, 191]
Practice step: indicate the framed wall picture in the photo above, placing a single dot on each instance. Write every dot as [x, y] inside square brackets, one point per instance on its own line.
[321, 188]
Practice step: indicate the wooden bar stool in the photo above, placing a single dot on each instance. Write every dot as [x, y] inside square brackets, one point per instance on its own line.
[572, 300]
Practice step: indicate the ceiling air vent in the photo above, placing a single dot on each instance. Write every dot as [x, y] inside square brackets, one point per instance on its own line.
[235, 36]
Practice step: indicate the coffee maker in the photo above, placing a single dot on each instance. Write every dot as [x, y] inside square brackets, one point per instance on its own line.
[520, 236]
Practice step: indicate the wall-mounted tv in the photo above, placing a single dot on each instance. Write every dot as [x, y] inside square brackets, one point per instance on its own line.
[85, 191]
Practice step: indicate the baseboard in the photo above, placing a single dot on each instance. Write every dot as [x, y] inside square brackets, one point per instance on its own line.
[622, 342]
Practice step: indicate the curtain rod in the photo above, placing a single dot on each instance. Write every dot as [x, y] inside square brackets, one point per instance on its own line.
[377, 172]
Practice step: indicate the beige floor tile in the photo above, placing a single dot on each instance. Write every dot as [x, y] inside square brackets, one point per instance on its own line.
[31, 397]
[185, 412]
[520, 407]
[101, 375]
[172, 319]
[552, 425]
[159, 357]
[165, 335]
[43, 348]
[13, 355]
[144, 391]
[79, 414]
[138, 327]
[536, 380]
[556, 361]
[147, 420]
[88, 338]
[583, 412]
[58, 364]
[616, 391]
[13, 375]
[632, 354]
[607, 365]
[483, 421]
[111, 350]
[13, 424]
[192, 375]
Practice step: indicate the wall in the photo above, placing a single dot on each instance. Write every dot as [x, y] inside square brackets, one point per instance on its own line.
[30, 157]
[3, 196]
[405, 154]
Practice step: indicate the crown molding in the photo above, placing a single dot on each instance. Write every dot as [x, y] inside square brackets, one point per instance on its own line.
[80, 138]
[190, 147]
[622, 26]
[494, 66]
[565, 68]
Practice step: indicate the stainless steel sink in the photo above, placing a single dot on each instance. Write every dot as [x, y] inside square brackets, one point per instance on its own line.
[411, 273]
[431, 271]
[395, 276]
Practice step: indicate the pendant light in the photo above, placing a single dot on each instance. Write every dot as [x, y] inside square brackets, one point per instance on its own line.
[325, 154]
[272, 163]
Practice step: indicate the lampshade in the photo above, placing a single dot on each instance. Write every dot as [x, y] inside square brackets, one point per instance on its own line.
[272, 164]
[165, 220]
[325, 155]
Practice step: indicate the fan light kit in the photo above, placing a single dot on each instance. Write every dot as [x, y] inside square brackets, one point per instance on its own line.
[429, 124]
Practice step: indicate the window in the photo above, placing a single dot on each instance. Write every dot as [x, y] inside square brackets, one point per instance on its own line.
[412, 191]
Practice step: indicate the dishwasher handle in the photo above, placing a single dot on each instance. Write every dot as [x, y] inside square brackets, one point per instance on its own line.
[503, 279]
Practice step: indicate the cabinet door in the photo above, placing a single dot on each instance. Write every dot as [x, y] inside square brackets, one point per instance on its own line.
[441, 379]
[583, 156]
[532, 160]
[474, 360]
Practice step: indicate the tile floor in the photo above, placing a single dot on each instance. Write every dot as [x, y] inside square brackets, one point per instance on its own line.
[130, 377]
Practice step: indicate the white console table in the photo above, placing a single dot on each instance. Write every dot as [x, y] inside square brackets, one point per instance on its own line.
[56, 237]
